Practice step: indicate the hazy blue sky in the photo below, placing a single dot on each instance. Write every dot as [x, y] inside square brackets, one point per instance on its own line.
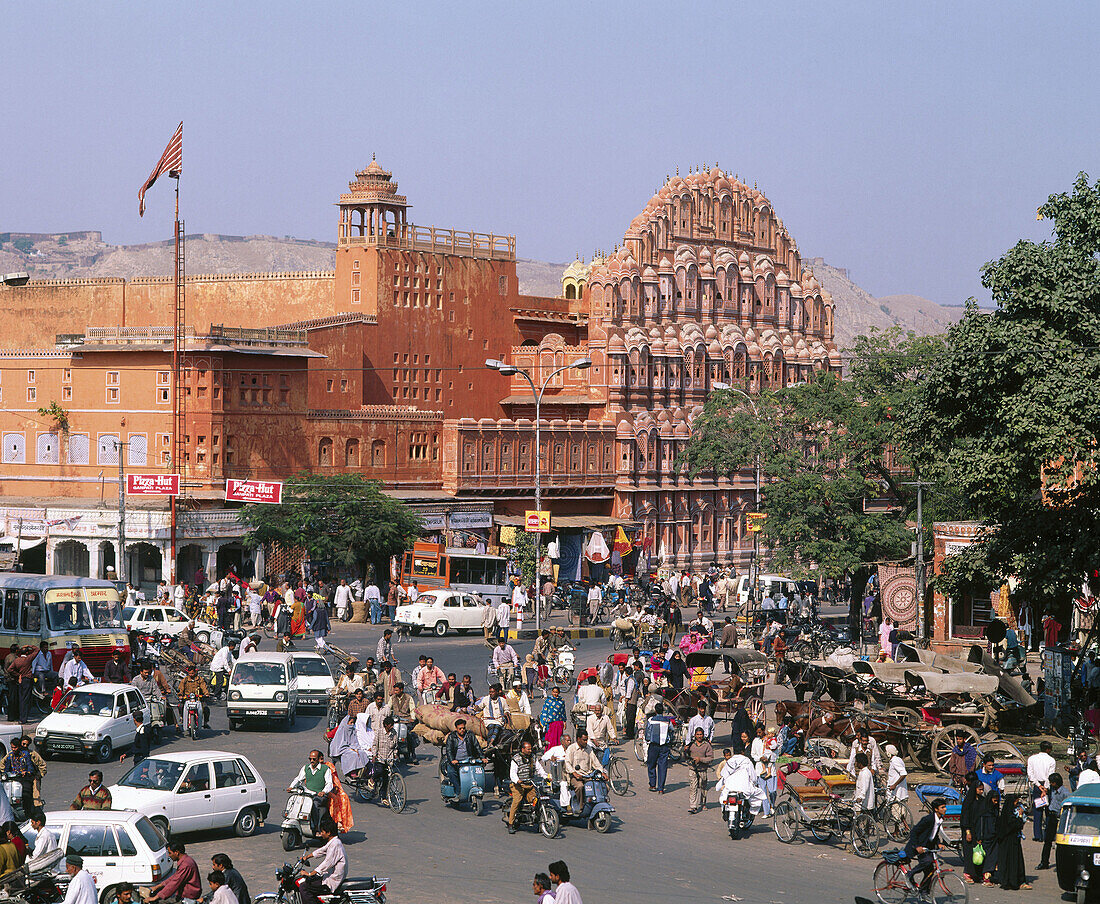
[910, 142]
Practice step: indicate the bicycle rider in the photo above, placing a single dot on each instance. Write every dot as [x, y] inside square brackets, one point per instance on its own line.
[923, 841]
[505, 662]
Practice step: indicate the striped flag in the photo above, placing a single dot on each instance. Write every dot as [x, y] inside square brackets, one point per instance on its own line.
[171, 162]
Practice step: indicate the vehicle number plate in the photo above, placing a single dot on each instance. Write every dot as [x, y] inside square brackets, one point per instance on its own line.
[255, 712]
[64, 745]
[1096, 859]
[1080, 840]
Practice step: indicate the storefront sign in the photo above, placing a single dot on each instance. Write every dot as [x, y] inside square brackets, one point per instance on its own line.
[538, 522]
[433, 520]
[153, 484]
[267, 491]
[468, 520]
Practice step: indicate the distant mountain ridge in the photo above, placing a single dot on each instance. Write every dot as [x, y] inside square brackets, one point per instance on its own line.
[83, 253]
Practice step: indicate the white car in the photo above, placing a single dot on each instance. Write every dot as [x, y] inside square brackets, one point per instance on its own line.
[117, 846]
[442, 611]
[168, 620]
[195, 791]
[314, 679]
[95, 721]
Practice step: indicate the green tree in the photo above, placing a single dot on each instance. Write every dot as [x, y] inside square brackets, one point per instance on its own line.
[338, 518]
[1013, 401]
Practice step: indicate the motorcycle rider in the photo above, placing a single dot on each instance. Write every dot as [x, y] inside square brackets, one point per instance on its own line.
[193, 684]
[581, 761]
[333, 868]
[522, 771]
[403, 707]
[316, 777]
[460, 745]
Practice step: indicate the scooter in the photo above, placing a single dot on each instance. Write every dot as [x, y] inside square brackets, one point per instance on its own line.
[737, 812]
[301, 816]
[291, 879]
[192, 716]
[594, 810]
[545, 815]
[471, 784]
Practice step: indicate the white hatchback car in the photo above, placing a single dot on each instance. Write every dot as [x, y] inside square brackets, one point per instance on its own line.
[314, 679]
[442, 611]
[117, 846]
[195, 791]
[168, 620]
[95, 721]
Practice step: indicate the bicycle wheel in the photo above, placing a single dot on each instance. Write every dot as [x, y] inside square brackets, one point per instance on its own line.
[949, 888]
[897, 821]
[641, 748]
[785, 822]
[395, 793]
[619, 774]
[361, 792]
[822, 823]
[864, 835]
[890, 885]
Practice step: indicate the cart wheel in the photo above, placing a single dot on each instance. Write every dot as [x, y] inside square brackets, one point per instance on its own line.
[1002, 750]
[944, 739]
[785, 822]
[754, 706]
[907, 715]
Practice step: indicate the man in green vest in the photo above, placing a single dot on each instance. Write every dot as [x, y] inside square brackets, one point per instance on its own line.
[316, 778]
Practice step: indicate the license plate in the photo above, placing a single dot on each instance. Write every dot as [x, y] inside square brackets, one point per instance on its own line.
[255, 712]
[1079, 840]
[64, 746]
[1096, 859]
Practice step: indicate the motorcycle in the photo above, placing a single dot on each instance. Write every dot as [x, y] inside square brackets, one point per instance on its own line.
[544, 815]
[737, 812]
[301, 816]
[192, 716]
[14, 789]
[471, 785]
[594, 810]
[290, 879]
[36, 881]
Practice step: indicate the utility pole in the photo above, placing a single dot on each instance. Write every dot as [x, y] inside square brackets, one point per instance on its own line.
[120, 566]
[922, 627]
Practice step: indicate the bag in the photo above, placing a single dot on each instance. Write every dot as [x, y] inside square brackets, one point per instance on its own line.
[978, 856]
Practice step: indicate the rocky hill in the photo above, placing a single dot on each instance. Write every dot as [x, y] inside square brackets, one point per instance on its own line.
[85, 254]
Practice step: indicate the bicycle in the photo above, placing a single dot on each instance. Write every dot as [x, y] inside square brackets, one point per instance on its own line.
[618, 772]
[942, 886]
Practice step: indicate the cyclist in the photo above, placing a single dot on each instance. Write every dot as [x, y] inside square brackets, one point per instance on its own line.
[505, 661]
[923, 840]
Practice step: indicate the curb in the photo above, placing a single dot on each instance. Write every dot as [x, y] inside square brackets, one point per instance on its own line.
[573, 633]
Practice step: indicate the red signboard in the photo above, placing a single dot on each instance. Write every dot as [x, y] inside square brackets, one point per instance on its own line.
[270, 491]
[153, 484]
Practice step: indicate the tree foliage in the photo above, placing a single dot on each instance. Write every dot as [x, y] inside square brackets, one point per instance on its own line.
[1014, 397]
[827, 447]
[338, 518]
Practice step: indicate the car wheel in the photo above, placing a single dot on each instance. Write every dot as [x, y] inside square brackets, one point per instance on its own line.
[246, 823]
[103, 750]
[203, 637]
[162, 826]
[233, 725]
[108, 894]
[441, 628]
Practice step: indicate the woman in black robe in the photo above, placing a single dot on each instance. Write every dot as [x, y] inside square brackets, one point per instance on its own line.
[968, 826]
[985, 818]
[1010, 848]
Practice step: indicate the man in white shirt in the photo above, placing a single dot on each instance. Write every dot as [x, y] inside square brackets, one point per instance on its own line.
[566, 892]
[414, 593]
[333, 868]
[221, 665]
[255, 608]
[342, 599]
[221, 893]
[81, 888]
[1039, 767]
[703, 721]
[505, 661]
[372, 596]
[504, 614]
[76, 668]
[897, 781]
[595, 598]
[519, 597]
[601, 730]
[178, 596]
[45, 840]
[590, 695]
[864, 743]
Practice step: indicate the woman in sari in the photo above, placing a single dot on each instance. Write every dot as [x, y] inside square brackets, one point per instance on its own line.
[552, 717]
[298, 616]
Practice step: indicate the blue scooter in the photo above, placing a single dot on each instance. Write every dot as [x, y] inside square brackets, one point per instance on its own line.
[594, 811]
[471, 785]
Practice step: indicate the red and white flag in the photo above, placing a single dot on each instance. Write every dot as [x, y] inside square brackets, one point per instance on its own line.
[171, 162]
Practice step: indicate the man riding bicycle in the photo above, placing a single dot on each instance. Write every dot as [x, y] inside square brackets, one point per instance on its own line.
[923, 840]
[505, 662]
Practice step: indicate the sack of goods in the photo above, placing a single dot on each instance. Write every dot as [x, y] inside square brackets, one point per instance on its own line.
[437, 716]
[430, 735]
[623, 624]
[520, 721]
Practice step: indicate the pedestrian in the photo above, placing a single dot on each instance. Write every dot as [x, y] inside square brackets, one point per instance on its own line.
[143, 739]
[541, 889]
[968, 827]
[657, 735]
[81, 889]
[342, 599]
[699, 754]
[321, 623]
[897, 776]
[1039, 768]
[45, 840]
[1055, 798]
[222, 864]
[1010, 849]
[565, 891]
[40, 768]
[94, 795]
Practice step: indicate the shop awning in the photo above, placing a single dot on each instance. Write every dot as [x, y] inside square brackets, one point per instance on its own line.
[566, 522]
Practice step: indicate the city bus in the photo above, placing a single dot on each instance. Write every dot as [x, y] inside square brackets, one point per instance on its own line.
[432, 566]
[65, 612]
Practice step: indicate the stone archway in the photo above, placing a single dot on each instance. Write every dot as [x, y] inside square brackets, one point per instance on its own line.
[71, 557]
[143, 567]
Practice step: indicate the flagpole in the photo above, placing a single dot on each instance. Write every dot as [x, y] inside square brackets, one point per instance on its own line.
[175, 384]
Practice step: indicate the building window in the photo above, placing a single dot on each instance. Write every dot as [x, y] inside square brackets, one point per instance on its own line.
[328, 385]
[78, 449]
[66, 393]
[418, 446]
[162, 378]
[351, 453]
[67, 375]
[112, 378]
[112, 395]
[502, 285]
[32, 394]
[49, 449]
[355, 296]
[324, 453]
[377, 454]
[30, 376]
[15, 449]
[162, 396]
[107, 449]
[138, 450]
[343, 386]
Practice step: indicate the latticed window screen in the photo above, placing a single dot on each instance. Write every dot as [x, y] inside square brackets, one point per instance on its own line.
[79, 449]
[49, 449]
[15, 449]
[139, 449]
[107, 454]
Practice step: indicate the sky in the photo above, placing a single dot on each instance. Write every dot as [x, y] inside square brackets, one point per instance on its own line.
[908, 142]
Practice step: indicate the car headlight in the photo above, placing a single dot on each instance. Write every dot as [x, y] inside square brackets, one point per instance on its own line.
[1085, 875]
[91, 736]
[40, 732]
[280, 697]
[234, 695]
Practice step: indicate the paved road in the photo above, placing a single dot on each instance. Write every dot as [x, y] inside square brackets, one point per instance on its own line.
[655, 853]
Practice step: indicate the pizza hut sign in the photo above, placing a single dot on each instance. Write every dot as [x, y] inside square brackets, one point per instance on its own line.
[263, 491]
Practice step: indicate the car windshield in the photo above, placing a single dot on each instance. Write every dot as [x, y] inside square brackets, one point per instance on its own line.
[308, 667]
[155, 775]
[106, 614]
[128, 613]
[85, 703]
[259, 673]
[1079, 820]
[149, 834]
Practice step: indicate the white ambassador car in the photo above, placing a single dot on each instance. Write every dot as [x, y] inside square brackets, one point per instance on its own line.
[168, 620]
[442, 611]
[94, 720]
[194, 791]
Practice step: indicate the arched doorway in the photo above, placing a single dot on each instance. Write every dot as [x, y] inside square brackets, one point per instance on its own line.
[71, 557]
[107, 559]
[143, 567]
[230, 556]
[189, 559]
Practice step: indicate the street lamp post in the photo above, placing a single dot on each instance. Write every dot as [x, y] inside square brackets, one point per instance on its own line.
[754, 565]
[509, 370]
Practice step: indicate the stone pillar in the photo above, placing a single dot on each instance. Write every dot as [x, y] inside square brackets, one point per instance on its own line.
[167, 566]
[95, 559]
[210, 562]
